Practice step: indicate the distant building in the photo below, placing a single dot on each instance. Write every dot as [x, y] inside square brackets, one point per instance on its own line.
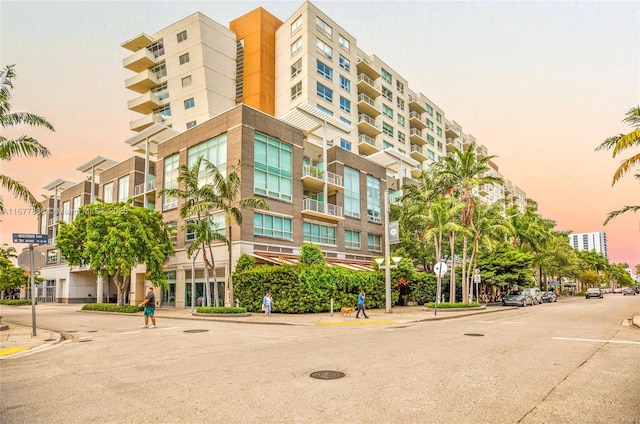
[590, 241]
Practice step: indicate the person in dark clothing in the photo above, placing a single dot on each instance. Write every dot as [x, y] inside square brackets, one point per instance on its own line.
[149, 304]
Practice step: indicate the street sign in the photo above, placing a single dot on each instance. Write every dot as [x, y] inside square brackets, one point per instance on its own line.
[476, 277]
[440, 268]
[394, 232]
[30, 238]
[24, 260]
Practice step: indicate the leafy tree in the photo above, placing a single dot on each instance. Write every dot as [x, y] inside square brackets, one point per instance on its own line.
[11, 276]
[244, 262]
[506, 266]
[559, 258]
[112, 239]
[7, 252]
[311, 254]
[21, 146]
[590, 278]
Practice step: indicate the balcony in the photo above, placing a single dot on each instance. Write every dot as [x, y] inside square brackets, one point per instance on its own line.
[482, 152]
[417, 137]
[313, 179]
[367, 145]
[367, 125]
[415, 105]
[367, 86]
[316, 208]
[365, 66]
[417, 171]
[142, 123]
[484, 189]
[451, 131]
[367, 105]
[416, 121]
[142, 82]
[143, 188]
[453, 144]
[139, 61]
[417, 153]
[144, 104]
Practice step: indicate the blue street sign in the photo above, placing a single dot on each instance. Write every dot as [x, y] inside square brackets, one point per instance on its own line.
[30, 238]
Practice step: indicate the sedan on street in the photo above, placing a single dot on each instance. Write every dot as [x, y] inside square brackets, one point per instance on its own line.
[629, 290]
[549, 296]
[517, 298]
[594, 292]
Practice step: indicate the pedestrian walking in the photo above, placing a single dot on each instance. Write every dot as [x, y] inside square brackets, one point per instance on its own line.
[361, 298]
[267, 302]
[149, 304]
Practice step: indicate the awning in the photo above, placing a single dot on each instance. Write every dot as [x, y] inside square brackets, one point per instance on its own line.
[288, 259]
[311, 120]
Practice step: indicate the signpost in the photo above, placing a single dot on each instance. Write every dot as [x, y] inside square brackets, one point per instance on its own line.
[440, 269]
[476, 280]
[31, 239]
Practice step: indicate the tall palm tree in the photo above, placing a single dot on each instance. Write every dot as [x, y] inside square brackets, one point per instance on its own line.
[21, 146]
[458, 175]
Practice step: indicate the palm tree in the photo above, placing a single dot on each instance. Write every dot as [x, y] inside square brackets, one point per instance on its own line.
[458, 175]
[619, 143]
[21, 146]
[7, 252]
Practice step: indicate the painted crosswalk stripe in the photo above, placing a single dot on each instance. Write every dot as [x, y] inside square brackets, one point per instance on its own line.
[128, 332]
[596, 340]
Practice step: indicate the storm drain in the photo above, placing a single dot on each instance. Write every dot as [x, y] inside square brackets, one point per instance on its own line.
[197, 330]
[326, 375]
[474, 334]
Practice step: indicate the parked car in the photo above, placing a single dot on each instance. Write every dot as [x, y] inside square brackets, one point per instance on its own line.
[535, 293]
[629, 290]
[549, 296]
[617, 291]
[517, 298]
[637, 289]
[594, 292]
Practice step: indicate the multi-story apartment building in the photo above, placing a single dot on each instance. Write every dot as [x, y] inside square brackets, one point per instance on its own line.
[590, 241]
[324, 130]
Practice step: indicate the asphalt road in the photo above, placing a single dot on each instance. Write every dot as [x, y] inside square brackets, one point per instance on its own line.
[553, 363]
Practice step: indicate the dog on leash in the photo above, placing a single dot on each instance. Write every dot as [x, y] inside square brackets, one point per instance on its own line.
[346, 311]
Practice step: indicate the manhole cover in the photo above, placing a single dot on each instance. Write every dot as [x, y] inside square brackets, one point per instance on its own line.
[197, 330]
[474, 334]
[327, 375]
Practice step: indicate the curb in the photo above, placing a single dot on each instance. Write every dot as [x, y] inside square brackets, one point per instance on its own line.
[58, 338]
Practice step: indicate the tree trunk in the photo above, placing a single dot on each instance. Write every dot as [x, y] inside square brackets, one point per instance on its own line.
[452, 279]
[216, 295]
[122, 287]
[465, 285]
[230, 281]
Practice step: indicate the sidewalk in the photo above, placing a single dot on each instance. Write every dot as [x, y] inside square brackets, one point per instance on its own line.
[17, 341]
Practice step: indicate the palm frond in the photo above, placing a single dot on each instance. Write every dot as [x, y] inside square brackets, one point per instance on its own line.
[627, 141]
[18, 190]
[25, 118]
[619, 212]
[22, 146]
[625, 166]
[609, 143]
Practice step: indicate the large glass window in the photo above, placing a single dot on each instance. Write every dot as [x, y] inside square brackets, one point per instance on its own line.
[296, 90]
[344, 42]
[438, 117]
[351, 192]
[107, 192]
[66, 211]
[160, 69]
[324, 27]
[189, 103]
[429, 108]
[345, 84]
[273, 167]
[184, 58]
[157, 48]
[213, 150]
[182, 36]
[352, 239]
[374, 242]
[296, 46]
[217, 224]
[161, 91]
[322, 47]
[296, 25]
[296, 68]
[272, 226]
[324, 92]
[373, 199]
[387, 94]
[345, 104]
[321, 234]
[387, 129]
[386, 75]
[387, 111]
[324, 70]
[346, 145]
[75, 207]
[324, 109]
[345, 63]
[170, 181]
[163, 111]
[123, 188]
[401, 120]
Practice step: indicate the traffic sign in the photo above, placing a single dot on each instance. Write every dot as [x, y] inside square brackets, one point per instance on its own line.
[30, 238]
[24, 260]
[440, 268]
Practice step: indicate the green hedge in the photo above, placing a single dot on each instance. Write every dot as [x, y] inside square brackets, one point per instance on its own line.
[423, 288]
[112, 307]
[300, 289]
[220, 310]
[457, 305]
[15, 302]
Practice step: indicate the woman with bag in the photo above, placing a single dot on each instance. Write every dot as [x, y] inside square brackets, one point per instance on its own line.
[267, 301]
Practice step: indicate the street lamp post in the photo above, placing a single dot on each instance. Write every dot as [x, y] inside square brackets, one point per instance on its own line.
[387, 275]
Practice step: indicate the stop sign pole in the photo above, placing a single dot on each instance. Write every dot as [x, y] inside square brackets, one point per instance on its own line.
[31, 239]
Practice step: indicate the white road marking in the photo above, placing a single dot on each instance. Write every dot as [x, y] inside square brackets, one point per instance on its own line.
[596, 340]
[128, 332]
[160, 329]
[84, 338]
[502, 322]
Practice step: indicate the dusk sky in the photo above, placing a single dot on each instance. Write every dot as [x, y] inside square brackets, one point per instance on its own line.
[540, 84]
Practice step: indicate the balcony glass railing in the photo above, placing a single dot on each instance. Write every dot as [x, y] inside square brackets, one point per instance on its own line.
[363, 138]
[314, 205]
[364, 78]
[315, 172]
[369, 120]
[144, 187]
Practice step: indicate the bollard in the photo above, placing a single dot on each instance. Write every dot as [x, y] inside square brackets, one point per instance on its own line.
[332, 306]
[237, 302]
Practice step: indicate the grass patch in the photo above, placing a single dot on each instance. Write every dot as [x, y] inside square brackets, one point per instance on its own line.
[111, 307]
[220, 310]
[15, 302]
[457, 305]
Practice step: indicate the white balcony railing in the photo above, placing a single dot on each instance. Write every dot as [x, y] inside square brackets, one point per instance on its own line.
[363, 117]
[314, 205]
[144, 188]
[364, 78]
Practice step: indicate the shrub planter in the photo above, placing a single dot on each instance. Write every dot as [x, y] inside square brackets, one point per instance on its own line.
[455, 307]
[220, 311]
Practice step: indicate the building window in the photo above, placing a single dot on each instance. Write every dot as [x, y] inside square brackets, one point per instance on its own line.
[346, 145]
[213, 150]
[161, 91]
[387, 129]
[170, 181]
[324, 109]
[272, 226]
[373, 199]
[438, 117]
[76, 207]
[66, 211]
[186, 81]
[296, 25]
[157, 48]
[321, 234]
[160, 70]
[439, 131]
[323, 27]
[430, 154]
[324, 70]
[163, 111]
[184, 58]
[401, 137]
[296, 90]
[440, 147]
[172, 229]
[182, 36]
[345, 84]
[217, 224]
[429, 124]
[322, 47]
[296, 68]
[345, 63]
[374, 242]
[189, 103]
[401, 120]
[52, 256]
[430, 139]
[296, 46]
[400, 103]
[273, 168]
[107, 193]
[386, 75]
[123, 188]
[351, 192]
[387, 111]
[387, 94]
[400, 86]
[352, 239]
[345, 120]
[429, 109]
[343, 42]
[191, 124]
[324, 92]
[386, 145]
[345, 104]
